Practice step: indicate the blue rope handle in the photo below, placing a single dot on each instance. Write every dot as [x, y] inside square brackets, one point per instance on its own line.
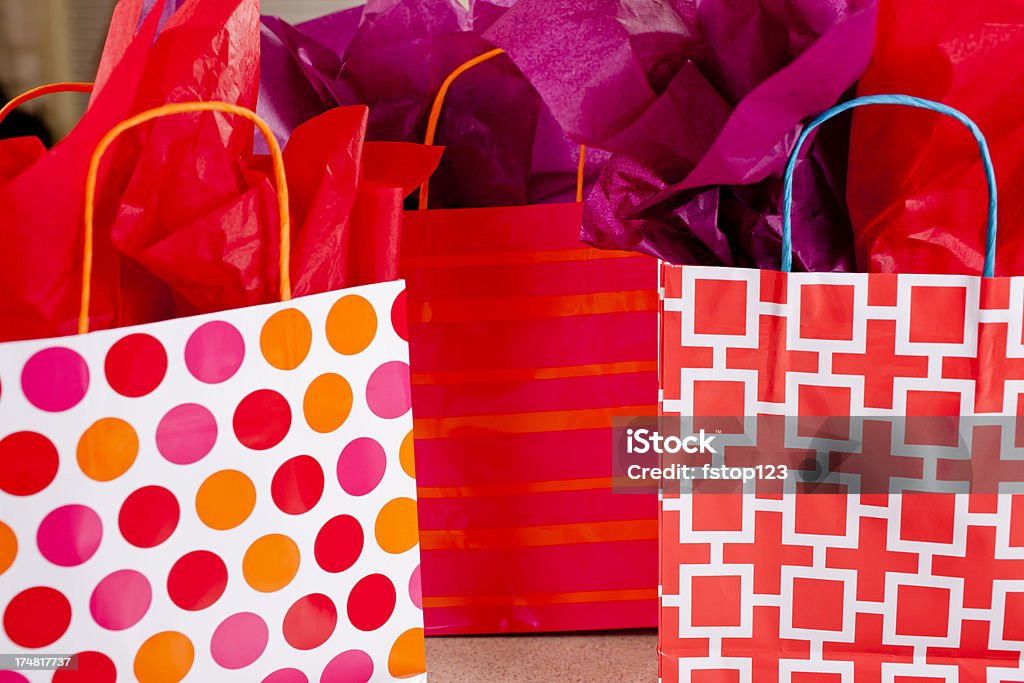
[906, 100]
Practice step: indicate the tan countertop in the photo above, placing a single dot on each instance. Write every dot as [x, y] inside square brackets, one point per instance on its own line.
[620, 657]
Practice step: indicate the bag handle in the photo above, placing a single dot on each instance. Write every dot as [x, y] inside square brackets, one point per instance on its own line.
[285, 287]
[909, 101]
[39, 92]
[435, 115]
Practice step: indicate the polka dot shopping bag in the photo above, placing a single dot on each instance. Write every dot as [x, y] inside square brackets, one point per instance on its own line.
[228, 497]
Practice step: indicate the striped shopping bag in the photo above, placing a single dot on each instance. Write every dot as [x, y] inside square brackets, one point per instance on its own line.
[524, 343]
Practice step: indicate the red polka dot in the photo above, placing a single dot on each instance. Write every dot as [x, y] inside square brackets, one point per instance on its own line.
[136, 365]
[197, 580]
[310, 621]
[338, 544]
[371, 602]
[28, 463]
[93, 667]
[37, 617]
[262, 419]
[298, 485]
[149, 516]
[400, 317]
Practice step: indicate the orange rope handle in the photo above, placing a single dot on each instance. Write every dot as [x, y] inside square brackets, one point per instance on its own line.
[169, 110]
[39, 92]
[435, 116]
[579, 173]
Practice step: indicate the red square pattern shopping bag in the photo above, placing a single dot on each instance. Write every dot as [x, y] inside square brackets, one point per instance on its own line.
[897, 587]
[227, 497]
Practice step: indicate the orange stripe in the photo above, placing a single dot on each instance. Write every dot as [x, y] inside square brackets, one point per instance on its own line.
[533, 307]
[524, 488]
[540, 598]
[513, 258]
[520, 488]
[529, 374]
[525, 423]
[536, 536]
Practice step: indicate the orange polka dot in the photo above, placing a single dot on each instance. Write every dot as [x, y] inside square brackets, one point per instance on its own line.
[225, 499]
[164, 658]
[408, 655]
[351, 324]
[406, 455]
[270, 563]
[327, 403]
[286, 338]
[8, 547]
[107, 449]
[397, 527]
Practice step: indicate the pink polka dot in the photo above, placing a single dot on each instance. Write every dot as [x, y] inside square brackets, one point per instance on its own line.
[11, 677]
[120, 600]
[352, 666]
[286, 676]
[239, 640]
[387, 391]
[416, 588]
[69, 535]
[55, 379]
[214, 352]
[361, 466]
[186, 434]
[400, 316]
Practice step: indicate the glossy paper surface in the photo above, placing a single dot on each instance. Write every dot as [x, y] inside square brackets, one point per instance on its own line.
[519, 363]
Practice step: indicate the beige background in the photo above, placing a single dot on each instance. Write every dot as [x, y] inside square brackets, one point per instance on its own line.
[46, 41]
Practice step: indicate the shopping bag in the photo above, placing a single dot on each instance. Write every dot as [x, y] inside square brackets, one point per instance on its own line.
[227, 497]
[524, 344]
[890, 575]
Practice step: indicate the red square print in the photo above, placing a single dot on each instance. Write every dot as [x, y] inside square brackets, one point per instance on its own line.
[1018, 434]
[715, 676]
[922, 611]
[1013, 617]
[715, 601]
[883, 289]
[717, 512]
[818, 604]
[995, 293]
[937, 314]
[821, 515]
[814, 677]
[773, 287]
[926, 418]
[1017, 521]
[826, 312]
[719, 398]
[927, 517]
[824, 411]
[720, 307]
